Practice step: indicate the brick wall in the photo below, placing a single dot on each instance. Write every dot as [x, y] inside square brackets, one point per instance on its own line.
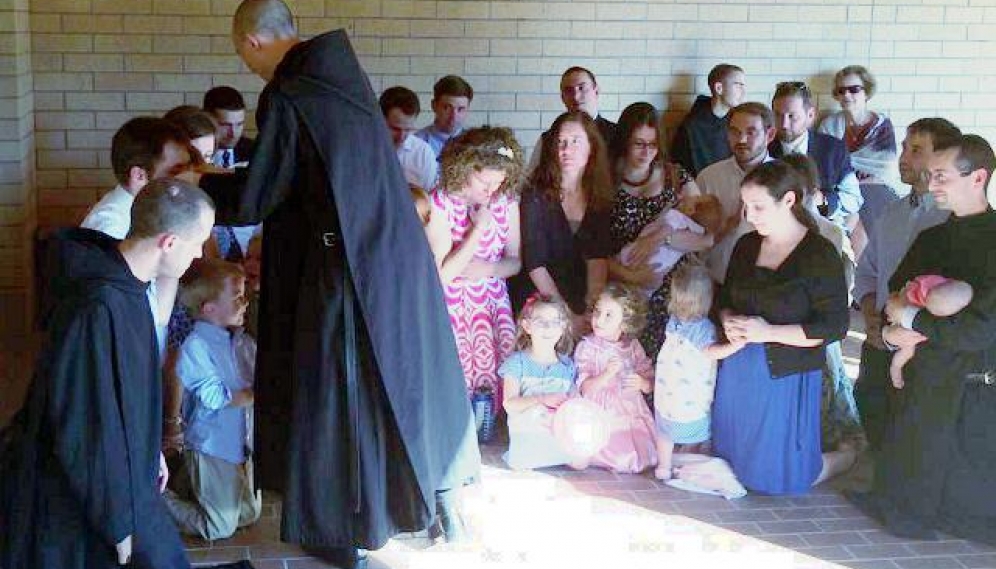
[17, 148]
[98, 62]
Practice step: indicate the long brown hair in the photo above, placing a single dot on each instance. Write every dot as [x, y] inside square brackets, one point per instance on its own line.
[596, 182]
[632, 118]
[779, 178]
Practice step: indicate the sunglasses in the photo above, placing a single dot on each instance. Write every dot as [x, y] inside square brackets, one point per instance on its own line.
[852, 89]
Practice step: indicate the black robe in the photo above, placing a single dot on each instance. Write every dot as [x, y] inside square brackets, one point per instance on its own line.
[938, 464]
[79, 462]
[361, 407]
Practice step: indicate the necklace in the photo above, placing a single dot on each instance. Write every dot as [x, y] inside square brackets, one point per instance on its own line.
[641, 183]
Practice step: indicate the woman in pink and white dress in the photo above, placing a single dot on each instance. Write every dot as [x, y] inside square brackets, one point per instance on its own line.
[473, 232]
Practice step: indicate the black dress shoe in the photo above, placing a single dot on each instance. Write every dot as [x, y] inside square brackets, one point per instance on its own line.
[342, 557]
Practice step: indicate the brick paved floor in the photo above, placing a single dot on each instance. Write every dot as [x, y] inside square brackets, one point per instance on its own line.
[560, 518]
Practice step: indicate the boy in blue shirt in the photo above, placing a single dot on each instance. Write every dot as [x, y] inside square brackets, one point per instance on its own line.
[216, 367]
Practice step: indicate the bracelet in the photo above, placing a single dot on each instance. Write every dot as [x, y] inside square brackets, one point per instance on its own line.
[178, 421]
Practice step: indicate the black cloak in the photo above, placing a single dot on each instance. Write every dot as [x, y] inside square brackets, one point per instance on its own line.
[361, 408]
[938, 463]
[79, 462]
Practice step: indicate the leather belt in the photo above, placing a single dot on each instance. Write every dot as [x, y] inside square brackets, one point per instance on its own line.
[330, 239]
[987, 378]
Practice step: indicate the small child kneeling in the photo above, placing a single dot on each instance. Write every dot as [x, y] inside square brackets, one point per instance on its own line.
[217, 406]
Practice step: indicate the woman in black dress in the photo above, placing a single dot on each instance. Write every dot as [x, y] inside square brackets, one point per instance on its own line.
[565, 216]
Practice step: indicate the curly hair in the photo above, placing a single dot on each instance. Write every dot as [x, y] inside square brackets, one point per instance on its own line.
[522, 340]
[482, 148]
[596, 182]
[634, 306]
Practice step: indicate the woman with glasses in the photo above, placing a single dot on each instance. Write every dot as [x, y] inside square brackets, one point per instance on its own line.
[647, 186]
[869, 137]
[565, 216]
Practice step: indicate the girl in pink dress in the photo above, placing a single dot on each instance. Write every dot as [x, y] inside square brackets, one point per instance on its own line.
[615, 373]
[473, 232]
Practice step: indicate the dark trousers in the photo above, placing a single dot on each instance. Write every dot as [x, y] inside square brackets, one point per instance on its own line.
[874, 393]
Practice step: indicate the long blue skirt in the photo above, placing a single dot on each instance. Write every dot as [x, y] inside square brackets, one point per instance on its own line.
[767, 429]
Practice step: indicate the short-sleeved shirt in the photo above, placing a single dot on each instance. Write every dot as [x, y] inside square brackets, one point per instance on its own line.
[539, 379]
[685, 378]
[547, 241]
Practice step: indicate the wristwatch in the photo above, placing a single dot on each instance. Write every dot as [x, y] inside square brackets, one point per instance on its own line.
[667, 239]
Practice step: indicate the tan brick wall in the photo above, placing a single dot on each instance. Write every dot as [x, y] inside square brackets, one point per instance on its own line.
[98, 62]
[17, 149]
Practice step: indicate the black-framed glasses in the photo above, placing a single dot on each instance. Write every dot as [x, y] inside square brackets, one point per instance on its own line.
[852, 89]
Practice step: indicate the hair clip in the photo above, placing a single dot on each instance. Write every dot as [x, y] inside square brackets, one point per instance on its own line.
[506, 152]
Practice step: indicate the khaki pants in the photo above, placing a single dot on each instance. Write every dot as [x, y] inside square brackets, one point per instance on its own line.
[223, 497]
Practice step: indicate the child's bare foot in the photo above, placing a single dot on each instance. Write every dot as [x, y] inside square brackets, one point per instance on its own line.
[663, 472]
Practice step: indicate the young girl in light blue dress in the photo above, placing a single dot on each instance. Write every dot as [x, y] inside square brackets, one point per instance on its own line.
[538, 377]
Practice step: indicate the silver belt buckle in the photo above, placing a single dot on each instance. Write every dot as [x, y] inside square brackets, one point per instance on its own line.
[988, 378]
[329, 239]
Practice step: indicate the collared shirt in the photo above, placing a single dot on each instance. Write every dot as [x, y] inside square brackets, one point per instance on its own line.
[210, 372]
[224, 157]
[418, 163]
[435, 138]
[797, 146]
[112, 216]
[848, 190]
[897, 227]
[722, 180]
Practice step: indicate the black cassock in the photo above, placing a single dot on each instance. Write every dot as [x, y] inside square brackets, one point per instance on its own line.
[361, 409]
[80, 460]
[938, 464]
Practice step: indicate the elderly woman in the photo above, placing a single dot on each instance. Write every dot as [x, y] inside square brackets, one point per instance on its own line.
[783, 300]
[869, 138]
[565, 216]
[473, 232]
[648, 185]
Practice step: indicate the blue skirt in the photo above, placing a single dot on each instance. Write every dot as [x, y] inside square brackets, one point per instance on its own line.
[767, 429]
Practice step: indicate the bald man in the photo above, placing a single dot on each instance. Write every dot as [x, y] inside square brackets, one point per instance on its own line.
[361, 408]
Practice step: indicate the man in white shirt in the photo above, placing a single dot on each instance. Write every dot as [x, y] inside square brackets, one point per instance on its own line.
[143, 149]
[228, 109]
[418, 162]
[749, 132]
[451, 98]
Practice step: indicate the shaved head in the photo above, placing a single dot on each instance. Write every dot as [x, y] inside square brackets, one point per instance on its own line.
[271, 18]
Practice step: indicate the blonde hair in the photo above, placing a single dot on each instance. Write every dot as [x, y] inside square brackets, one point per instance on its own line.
[522, 339]
[633, 305]
[205, 281]
[691, 292]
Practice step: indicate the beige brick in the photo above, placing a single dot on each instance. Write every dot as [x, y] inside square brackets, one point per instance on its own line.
[102, 62]
[620, 48]
[64, 121]
[61, 43]
[408, 9]
[122, 6]
[819, 49]
[89, 139]
[212, 25]
[493, 64]
[153, 102]
[45, 23]
[153, 25]
[63, 81]
[916, 14]
[386, 28]
[491, 29]
[113, 120]
[122, 81]
[170, 82]
[368, 46]
[307, 8]
[538, 102]
[437, 29]
[384, 65]
[89, 23]
[462, 10]
[61, 6]
[690, 12]
[82, 196]
[50, 140]
[181, 44]
[501, 47]
[51, 178]
[523, 11]
[569, 48]
[517, 84]
[154, 63]
[94, 101]
[393, 46]
[434, 67]
[611, 12]
[461, 46]
[780, 13]
[515, 119]
[352, 8]
[67, 159]
[182, 7]
[54, 101]
[122, 44]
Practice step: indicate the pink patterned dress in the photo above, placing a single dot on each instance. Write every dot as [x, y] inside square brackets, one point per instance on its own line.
[480, 310]
[631, 447]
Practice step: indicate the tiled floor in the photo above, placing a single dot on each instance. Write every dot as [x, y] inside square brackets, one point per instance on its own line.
[561, 518]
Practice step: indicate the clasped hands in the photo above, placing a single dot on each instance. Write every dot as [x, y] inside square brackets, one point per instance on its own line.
[746, 329]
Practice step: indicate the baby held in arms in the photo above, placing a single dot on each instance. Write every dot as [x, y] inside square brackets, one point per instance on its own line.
[940, 296]
[699, 214]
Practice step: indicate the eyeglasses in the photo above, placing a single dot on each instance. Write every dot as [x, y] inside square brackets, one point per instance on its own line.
[643, 145]
[547, 323]
[852, 89]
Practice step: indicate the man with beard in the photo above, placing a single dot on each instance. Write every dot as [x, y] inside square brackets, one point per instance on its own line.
[363, 420]
[938, 464]
[750, 130]
[900, 223]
